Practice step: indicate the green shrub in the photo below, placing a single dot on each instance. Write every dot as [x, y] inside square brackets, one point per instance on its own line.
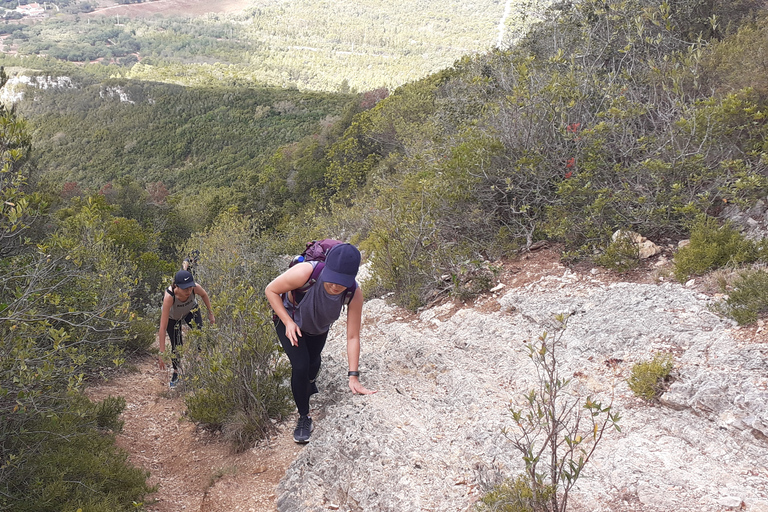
[762, 250]
[514, 496]
[649, 378]
[107, 413]
[621, 255]
[554, 431]
[748, 299]
[427, 240]
[209, 406]
[712, 246]
[68, 461]
[236, 379]
[142, 333]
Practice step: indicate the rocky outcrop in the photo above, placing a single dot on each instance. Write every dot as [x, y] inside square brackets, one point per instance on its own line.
[432, 437]
[752, 222]
[645, 248]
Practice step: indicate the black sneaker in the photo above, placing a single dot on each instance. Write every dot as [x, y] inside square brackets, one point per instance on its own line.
[174, 380]
[303, 430]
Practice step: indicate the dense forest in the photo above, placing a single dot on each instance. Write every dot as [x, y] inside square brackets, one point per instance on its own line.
[184, 137]
[634, 115]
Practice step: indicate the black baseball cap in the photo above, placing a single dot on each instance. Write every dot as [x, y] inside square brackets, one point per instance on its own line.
[184, 279]
[341, 265]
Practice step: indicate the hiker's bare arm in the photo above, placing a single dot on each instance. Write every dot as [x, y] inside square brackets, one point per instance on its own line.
[354, 322]
[199, 290]
[166, 311]
[293, 278]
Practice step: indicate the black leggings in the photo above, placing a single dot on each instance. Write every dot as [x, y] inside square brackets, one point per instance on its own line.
[305, 363]
[194, 319]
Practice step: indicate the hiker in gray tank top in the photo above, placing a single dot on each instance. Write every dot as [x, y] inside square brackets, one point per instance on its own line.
[318, 309]
[180, 305]
[303, 328]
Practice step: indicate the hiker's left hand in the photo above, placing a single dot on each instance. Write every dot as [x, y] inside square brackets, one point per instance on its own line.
[359, 389]
[211, 318]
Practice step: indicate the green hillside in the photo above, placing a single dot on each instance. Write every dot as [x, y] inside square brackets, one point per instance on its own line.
[94, 133]
[599, 120]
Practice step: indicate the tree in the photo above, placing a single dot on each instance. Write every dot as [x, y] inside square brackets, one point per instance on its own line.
[65, 317]
[17, 208]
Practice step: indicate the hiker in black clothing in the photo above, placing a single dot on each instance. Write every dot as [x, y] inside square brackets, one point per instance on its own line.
[303, 327]
[180, 305]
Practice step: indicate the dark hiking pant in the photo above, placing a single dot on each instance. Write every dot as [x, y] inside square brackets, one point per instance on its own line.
[305, 363]
[194, 320]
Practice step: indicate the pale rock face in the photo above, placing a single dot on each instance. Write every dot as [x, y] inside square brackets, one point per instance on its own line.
[16, 86]
[433, 438]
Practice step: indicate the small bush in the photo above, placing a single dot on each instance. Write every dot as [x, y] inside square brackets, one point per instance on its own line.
[67, 462]
[748, 299]
[210, 406]
[236, 379]
[762, 250]
[649, 378]
[514, 496]
[554, 431]
[238, 382]
[713, 246]
[621, 255]
[142, 333]
[107, 413]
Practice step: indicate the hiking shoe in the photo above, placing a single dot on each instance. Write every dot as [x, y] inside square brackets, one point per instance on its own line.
[174, 380]
[303, 430]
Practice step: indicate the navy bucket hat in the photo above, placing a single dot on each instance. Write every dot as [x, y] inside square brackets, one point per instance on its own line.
[184, 280]
[341, 265]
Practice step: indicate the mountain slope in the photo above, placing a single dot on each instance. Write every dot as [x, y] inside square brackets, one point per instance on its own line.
[431, 438]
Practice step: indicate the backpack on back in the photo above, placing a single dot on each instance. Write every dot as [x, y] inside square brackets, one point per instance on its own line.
[315, 253]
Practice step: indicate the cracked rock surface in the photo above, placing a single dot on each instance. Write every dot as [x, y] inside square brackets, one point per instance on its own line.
[432, 438]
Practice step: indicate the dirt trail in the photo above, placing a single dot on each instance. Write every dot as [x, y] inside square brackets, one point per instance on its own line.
[193, 469]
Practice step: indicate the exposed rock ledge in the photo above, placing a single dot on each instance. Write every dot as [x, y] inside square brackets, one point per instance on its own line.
[431, 438]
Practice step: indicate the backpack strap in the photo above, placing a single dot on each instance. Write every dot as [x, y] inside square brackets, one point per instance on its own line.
[317, 267]
[170, 292]
[349, 294]
[297, 294]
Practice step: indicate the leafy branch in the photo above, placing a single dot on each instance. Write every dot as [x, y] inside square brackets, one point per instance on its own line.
[555, 431]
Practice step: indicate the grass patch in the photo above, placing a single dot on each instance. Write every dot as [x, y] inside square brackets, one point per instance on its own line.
[649, 379]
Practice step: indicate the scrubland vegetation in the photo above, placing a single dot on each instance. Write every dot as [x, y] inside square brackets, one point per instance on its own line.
[639, 115]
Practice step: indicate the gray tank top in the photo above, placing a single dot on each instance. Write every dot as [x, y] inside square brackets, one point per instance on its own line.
[318, 309]
[180, 309]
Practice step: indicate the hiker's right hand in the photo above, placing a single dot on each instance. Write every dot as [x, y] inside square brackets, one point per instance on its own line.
[292, 332]
[161, 363]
